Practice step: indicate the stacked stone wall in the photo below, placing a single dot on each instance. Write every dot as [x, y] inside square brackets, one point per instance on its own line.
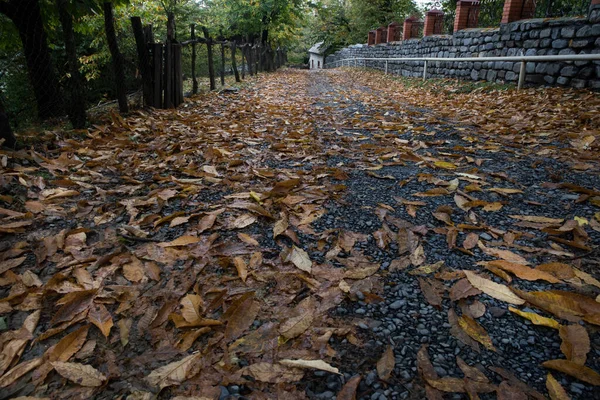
[527, 37]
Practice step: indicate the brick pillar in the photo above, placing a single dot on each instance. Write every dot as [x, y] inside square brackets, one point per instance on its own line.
[381, 35]
[394, 30]
[407, 29]
[433, 22]
[467, 14]
[371, 40]
[515, 10]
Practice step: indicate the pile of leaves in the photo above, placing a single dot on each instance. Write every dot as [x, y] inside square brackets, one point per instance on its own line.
[178, 252]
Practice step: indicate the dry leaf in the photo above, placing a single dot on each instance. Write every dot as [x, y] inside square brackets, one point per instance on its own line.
[310, 364]
[300, 259]
[555, 390]
[575, 343]
[536, 319]
[577, 371]
[99, 316]
[172, 374]
[493, 289]
[386, 364]
[81, 374]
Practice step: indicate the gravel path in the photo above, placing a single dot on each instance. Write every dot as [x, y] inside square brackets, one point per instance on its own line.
[405, 319]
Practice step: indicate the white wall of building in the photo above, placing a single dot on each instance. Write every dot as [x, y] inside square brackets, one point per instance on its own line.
[315, 61]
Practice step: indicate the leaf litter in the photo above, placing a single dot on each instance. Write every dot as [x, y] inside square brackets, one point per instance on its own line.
[260, 240]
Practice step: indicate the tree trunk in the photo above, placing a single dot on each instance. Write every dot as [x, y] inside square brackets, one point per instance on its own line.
[194, 79]
[243, 51]
[5, 130]
[211, 66]
[222, 63]
[117, 57]
[76, 108]
[27, 17]
[143, 60]
[232, 46]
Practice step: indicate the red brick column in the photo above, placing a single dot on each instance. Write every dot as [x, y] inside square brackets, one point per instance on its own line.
[393, 31]
[432, 27]
[594, 2]
[464, 9]
[408, 23]
[515, 10]
[371, 40]
[380, 35]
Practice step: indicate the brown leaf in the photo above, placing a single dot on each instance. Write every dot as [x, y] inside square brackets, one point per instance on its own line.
[133, 271]
[577, 371]
[458, 332]
[273, 373]
[10, 264]
[242, 269]
[471, 241]
[15, 373]
[206, 222]
[348, 391]
[240, 315]
[174, 373]
[575, 343]
[463, 289]
[471, 372]
[310, 364]
[522, 271]
[192, 306]
[83, 375]
[555, 390]
[99, 316]
[68, 345]
[297, 325]
[432, 290]
[300, 259]
[386, 364]
[73, 304]
[476, 331]
[566, 305]
[181, 241]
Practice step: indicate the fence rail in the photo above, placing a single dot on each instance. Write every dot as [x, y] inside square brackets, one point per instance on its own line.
[522, 59]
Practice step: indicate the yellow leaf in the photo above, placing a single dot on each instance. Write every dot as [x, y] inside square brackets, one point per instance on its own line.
[445, 165]
[493, 289]
[536, 319]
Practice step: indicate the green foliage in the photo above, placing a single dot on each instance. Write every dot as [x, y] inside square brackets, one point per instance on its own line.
[342, 22]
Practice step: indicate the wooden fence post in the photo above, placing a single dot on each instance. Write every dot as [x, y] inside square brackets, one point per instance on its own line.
[221, 39]
[143, 60]
[177, 75]
[243, 51]
[211, 66]
[157, 67]
[168, 76]
[232, 46]
[117, 57]
[194, 79]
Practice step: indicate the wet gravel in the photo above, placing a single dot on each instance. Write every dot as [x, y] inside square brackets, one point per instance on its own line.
[404, 319]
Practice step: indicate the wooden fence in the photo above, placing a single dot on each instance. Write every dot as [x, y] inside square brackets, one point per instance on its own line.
[160, 64]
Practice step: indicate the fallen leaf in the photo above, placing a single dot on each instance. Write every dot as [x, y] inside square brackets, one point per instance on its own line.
[310, 364]
[476, 331]
[536, 319]
[555, 390]
[273, 373]
[181, 241]
[575, 343]
[300, 259]
[348, 391]
[173, 373]
[386, 364]
[493, 289]
[577, 371]
[99, 316]
[83, 375]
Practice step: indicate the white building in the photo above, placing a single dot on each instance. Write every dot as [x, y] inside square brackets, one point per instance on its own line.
[316, 56]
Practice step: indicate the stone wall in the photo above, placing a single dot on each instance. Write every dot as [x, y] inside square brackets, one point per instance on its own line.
[528, 37]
